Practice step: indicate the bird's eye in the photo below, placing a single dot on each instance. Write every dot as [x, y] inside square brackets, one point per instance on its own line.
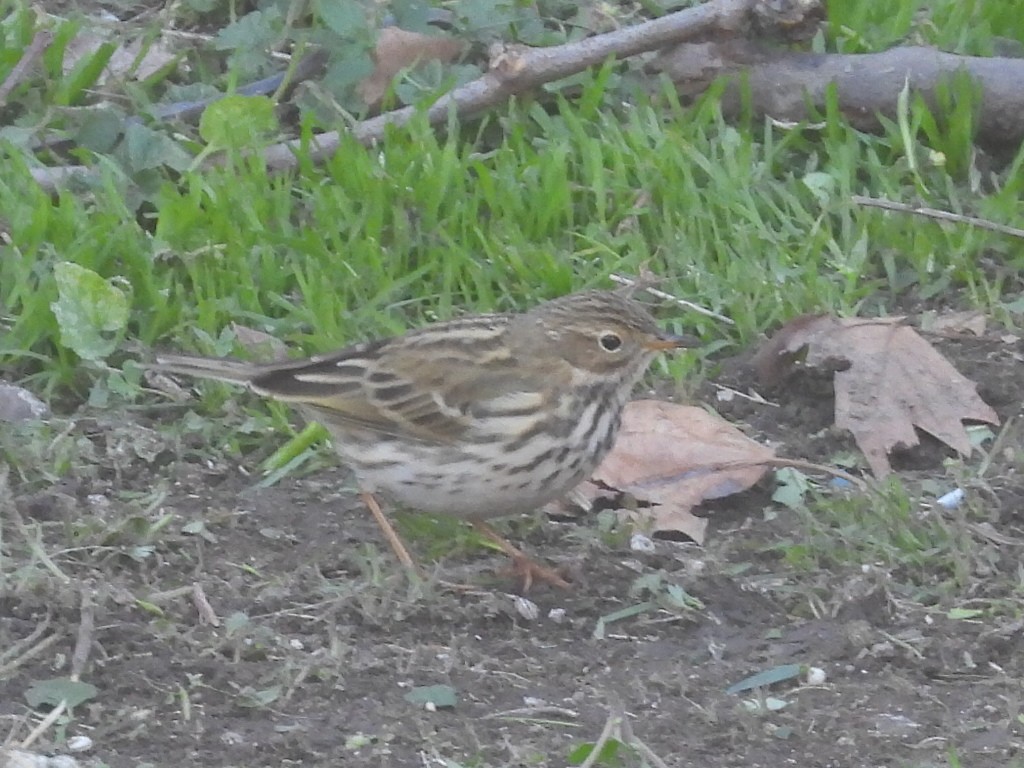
[610, 342]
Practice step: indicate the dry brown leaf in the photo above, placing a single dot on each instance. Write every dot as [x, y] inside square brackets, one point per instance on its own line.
[676, 456]
[892, 382]
[398, 49]
[972, 322]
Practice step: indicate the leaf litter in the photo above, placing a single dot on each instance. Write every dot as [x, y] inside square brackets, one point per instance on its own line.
[672, 457]
[889, 382]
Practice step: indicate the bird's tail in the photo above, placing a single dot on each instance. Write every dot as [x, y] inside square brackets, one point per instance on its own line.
[218, 368]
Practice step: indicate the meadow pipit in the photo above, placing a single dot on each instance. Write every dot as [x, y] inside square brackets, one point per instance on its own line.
[477, 417]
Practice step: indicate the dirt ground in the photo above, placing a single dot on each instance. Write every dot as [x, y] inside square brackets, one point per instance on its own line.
[321, 637]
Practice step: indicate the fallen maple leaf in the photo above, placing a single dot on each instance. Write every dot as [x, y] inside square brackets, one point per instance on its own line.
[891, 381]
[676, 456]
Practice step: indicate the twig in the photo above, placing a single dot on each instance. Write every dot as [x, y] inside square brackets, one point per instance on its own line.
[83, 644]
[547, 710]
[809, 466]
[206, 613]
[647, 752]
[730, 393]
[997, 446]
[15, 649]
[45, 723]
[935, 213]
[32, 51]
[611, 726]
[35, 650]
[623, 280]
[37, 549]
[627, 736]
[617, 727]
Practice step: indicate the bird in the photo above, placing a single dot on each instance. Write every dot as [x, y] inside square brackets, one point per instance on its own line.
[478, 417]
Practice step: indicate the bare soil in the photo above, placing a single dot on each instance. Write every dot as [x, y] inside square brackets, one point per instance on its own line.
[320, 637]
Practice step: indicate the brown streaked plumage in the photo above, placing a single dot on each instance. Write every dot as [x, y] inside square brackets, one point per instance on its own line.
[476, 417]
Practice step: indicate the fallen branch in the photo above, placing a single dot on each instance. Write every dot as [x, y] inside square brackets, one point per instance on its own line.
[792, 86]
[519, 69]
[934, 213]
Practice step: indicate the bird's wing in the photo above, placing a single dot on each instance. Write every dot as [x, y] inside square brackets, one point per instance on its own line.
[421, 386]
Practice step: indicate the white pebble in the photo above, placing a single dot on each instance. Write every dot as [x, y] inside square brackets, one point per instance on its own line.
[526, 608]
[816, 676]
[951, 500]
[98, 501]
[640, 543]
[79, 744]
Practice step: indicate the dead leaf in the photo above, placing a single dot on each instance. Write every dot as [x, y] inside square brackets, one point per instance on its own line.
[774, 359]
[971, 322]
[398, 49]
[676, 456]
[18, 404]
[892, 382]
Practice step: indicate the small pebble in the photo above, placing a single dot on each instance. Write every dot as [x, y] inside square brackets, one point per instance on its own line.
[79, 744]
[951, 500]
[640, 543]
[526, 608]
[816, 676]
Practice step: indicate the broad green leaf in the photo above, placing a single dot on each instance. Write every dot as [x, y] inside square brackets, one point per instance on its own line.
[256, 30]
[413, 15]
[486, 15]
[100, 129]
[53, 692]
[145, 148]
[346, 18]
[91, 311]
[346, 71]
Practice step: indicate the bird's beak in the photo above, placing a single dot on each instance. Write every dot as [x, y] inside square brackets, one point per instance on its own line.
[665, 341]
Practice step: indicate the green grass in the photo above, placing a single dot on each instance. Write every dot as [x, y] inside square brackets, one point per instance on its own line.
[752, 221]
[747, 219]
